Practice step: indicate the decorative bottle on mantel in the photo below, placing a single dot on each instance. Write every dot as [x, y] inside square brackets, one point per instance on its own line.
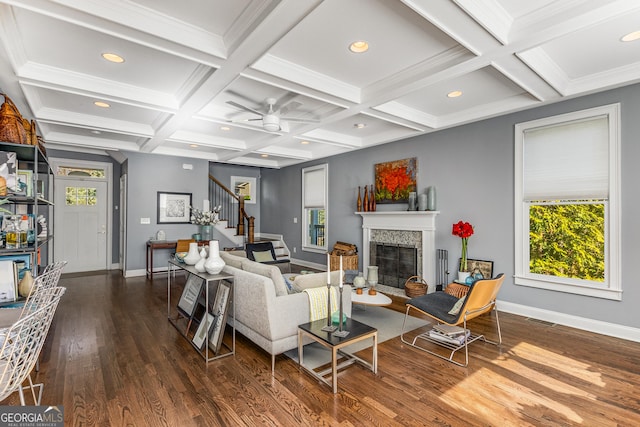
[359, 200]
[365, 202]
[372, 200]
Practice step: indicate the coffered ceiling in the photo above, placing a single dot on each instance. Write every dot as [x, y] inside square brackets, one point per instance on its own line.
[194, 70]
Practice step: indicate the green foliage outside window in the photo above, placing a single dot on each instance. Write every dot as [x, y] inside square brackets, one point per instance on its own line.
[567, 240]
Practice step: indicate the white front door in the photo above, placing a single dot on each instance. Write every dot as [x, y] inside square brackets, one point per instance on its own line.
[81, 224]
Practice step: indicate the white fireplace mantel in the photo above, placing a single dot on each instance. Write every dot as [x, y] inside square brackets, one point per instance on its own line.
[423, 221]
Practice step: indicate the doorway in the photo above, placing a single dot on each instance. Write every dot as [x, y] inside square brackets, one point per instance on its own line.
[82, 206]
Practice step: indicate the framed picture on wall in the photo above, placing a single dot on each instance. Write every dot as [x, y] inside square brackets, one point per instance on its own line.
[244, 187]
[395, 180]
[174, 208]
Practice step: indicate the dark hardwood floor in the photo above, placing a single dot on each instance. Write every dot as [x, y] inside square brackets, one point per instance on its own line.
[113, 359]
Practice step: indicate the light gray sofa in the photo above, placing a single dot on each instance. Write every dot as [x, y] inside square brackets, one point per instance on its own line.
[266, 311]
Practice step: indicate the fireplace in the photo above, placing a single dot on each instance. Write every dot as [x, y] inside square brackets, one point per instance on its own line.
[414, 230]
[396, 262]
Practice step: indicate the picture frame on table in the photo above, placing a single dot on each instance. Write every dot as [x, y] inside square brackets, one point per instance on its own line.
[8, 172]
[485, 267]
[174, 208]
[220, 311]
[8, 281]
[191, 292]
[25, 182]
[22, 261]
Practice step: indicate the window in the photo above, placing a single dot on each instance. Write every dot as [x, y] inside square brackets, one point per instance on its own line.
[567, 212]
[80, 196]
[314, 207]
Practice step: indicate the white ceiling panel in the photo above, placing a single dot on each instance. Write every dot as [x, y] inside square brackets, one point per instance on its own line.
[244, 82]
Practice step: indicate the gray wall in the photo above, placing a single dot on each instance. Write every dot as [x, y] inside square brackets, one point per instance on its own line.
[472, 169]
[148, 174]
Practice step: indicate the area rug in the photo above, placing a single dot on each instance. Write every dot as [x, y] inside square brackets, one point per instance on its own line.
[387, 322]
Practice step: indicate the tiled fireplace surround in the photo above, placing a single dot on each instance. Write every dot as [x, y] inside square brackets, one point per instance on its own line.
[410, 228]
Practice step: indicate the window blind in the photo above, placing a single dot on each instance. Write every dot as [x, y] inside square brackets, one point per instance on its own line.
[314, 188]
[567, 161]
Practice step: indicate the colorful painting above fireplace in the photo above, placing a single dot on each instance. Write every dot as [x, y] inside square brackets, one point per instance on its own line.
[395, 180]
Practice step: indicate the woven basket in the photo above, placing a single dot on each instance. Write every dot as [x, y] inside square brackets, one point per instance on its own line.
[11, 125]
[415, 286]
[349, 262]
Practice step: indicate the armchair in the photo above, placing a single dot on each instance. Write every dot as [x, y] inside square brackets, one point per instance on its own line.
[442, 307]
[263, 252]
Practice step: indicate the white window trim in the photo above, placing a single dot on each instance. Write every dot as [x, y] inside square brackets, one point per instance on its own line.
[305, 244]
[612, 287]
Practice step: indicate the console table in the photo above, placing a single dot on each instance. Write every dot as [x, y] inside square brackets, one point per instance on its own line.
[152, 245]
[209, 318]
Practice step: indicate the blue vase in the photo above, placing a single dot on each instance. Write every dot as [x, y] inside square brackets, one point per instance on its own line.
[206, 232]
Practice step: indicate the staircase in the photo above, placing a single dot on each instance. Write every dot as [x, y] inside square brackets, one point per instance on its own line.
[232, 221]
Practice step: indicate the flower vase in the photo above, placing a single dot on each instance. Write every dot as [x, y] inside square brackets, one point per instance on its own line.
[462, 276]
[192, 256]
[203, 258]
[206, 232]
[214, 263]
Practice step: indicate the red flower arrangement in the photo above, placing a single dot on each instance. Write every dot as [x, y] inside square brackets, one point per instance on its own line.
[464, 230]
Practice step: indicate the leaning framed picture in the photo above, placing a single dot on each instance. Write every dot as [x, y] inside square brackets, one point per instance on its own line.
[190, 294]
[485, 267]
[220, 310]
[205, 326]
[25, 182]
[395, 180]
[174, 208]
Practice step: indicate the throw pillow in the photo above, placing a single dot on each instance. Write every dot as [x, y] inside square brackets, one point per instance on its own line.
[314, 280]
[232, 260]
[270, 271]
[263, 256]
[457, 306]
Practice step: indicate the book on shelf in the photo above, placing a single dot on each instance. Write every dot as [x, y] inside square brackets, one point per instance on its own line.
[456, 340]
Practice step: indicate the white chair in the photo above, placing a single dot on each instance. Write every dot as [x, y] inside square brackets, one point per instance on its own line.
[21, 346]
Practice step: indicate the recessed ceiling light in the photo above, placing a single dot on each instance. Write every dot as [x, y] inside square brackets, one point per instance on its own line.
[95, 132]
[359, 46]
[225, 128]
[101, 104]
[359, 125]
[454, 94]
[304, 142]
[193, 145]
[631, 37]
[264, 155]
[112, 57]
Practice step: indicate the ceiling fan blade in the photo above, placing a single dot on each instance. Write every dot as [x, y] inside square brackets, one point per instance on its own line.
[293, 119]
[290, 107]
[242, 107]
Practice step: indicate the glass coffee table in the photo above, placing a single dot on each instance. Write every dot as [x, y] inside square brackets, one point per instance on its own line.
[357, 332]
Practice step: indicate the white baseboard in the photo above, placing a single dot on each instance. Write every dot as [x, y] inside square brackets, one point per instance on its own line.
[321, 267]
[591, 325]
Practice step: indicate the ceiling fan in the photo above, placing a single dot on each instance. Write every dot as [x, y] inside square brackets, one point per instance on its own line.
[272, 120]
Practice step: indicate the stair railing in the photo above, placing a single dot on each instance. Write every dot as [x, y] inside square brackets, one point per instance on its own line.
[232, 209]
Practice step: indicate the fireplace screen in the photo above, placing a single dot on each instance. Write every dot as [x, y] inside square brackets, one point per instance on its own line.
[396, 263]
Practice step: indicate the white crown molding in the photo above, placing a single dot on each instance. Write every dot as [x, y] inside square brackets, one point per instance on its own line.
[188, 137]
[179, 152]
[286, 152]
[400, 110]
[278, 67]
[486, 111]
[591, 325]
[68, 140]
[334, 138]
[607, 79]
[491, 15]
[67, 118]
[548, 69]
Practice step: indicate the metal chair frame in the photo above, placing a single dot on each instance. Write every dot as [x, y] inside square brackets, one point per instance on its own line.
[21, 347]
[470, 310]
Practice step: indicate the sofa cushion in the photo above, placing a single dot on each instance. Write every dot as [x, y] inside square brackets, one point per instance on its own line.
[270, 271]
[232, 260]
[263, 256]
[314, 280]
